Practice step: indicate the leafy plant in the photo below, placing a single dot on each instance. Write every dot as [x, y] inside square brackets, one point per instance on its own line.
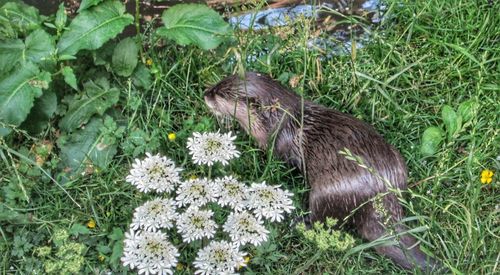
[194, 24]
[453, 123]
[39, 54]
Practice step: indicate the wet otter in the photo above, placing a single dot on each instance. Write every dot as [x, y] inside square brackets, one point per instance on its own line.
[339, 187]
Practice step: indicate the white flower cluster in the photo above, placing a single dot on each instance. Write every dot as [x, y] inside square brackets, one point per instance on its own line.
[154, 173]
[208, 148]
[187, 210]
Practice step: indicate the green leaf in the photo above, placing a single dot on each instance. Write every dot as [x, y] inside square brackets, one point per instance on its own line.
[65, 57]
[194, 24]
[78, 229]
[39, 46]
[18, 91]
[19, 17]
[9, 215]
[142, 77]
[466, 110]
[431, 139]
[114, 259]
[116, 234]
[11, 52]
[87, 4]
[45, 106]
[451, 121]
[125, 57]
[92, 28]
[85, 147]
[96, 98]
[61, 17]
[69, 77]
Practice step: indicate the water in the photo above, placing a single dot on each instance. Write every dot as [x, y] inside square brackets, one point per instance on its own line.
[329, 16]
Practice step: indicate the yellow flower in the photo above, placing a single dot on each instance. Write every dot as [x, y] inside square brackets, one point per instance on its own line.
[193, 177]
[91, 223]
[179, 267]
[149, 61]
[101, 258]
[171, 136]
[486, 176]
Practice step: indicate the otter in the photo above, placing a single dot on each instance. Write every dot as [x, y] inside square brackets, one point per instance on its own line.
[309, 136]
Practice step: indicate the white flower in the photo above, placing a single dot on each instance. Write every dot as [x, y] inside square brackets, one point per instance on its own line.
[269, 202]
[196, 192]
[208, 148]
[149, 252]
[156, 173]
[153, 215]
[231, 193]
[244, 228]
[219, 257]
[194, 224]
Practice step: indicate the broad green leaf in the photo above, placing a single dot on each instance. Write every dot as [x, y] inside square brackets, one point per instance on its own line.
[39, 46]
[11, 52]
[69, 77]
[96, 98]
[18, 91]
[194, 24]
[92, 28]
[104, 54]
[125, 57]
[85, 4]
[141, 77]
[78, 229]
[451, 120]
[116, 234]
[19, 17]
[431, 139]
[61, 17]
[466, 110]
[39, 116]
[85, 147]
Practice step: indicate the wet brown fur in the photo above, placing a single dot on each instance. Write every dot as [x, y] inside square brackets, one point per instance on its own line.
[272, 113]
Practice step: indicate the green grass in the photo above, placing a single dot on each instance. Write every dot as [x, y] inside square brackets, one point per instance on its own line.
[425, 54]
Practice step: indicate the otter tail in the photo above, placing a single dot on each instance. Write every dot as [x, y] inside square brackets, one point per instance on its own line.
[406, 253]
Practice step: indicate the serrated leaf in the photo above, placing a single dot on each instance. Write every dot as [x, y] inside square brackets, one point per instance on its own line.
[19, 17]
[92, 28]
[450, 120]
[69, 77]
[125, 57]
[18, 91]
[142, 77]
[96, 98]
[431, 139]
[61, 17]
[87, 4]
[85, 147]
[78, 229]
[39, 46]
[194, 24]
[39, 116]
[466, 110]
[11, 52]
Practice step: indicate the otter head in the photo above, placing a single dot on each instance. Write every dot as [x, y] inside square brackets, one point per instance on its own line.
[256, 101]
